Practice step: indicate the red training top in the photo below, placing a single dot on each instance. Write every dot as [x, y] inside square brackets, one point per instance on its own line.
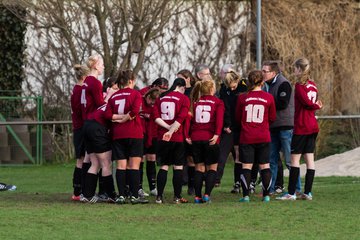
[172, 107]
[305, 106]
[91, 96]
[125, 101]
[255, 111]
[76, 114]
[208, 118]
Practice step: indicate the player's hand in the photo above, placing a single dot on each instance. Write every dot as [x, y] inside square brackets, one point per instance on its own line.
[227, 130]
[213, 140]
[319, 103]
[188, 140]
[167, 136]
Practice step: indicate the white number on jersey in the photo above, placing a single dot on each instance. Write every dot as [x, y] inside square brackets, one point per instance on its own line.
[312, 96]
[121, 104]
[167, 110]
[255, 113]
[83, 98]
[202, 114]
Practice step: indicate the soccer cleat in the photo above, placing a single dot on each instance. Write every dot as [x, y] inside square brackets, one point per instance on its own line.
[105, 198]
[307, 196]
[286, 197]
[180, 200]
[198, 200]
[279, 189]
[236, 188]
[120, 200]
[266, 199]
[159, 200]
[206, 198]
[142, 193]
[153, 192]
[93, 199]
[245, 199]
[138, 200]
[6, 187]
[76, 198]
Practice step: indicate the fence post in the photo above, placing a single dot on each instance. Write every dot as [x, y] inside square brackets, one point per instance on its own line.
[39, 145]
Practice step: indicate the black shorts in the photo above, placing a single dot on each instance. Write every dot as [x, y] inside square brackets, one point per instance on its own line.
[96, 137]
[205, 153]
[78, 141]
[127, 147]
[255, 153]
[188, 150]
[171, 153]
[236, 136]
[301, 144]
[151, 149]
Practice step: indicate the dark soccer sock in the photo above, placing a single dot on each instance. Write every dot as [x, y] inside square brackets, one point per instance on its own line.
[161, 181]
[294, 174]
[101, 182]
[245, 178]
[237, 172]
[177, 182]
[151, 174]
[141, 174]
[134, 182]
[84, 171]
[309, 179]
[210, 181]
[254, 172]
[109, 186]
[90, 186]
[191, 176]
[198, 182]
[77, 181]
[280, 175]
[266, 179]
[121, 181]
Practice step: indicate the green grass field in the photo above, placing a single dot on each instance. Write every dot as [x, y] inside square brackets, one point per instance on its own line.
[40, 209]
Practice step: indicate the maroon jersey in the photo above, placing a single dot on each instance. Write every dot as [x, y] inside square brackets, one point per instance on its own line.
[144, 90]
[99, 116]
[91, 96]
[305, 106]
[125, 101]
[148, 122]
[255, 110]
[208, 118]
[170, 108]
[76, 114]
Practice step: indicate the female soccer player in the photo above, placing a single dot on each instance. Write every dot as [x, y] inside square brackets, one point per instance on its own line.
[97, 140]
[255, 110]
[305, 129]
[170, 111]
[78, 138]
[205, 128]
[127, 135]
[150, 139]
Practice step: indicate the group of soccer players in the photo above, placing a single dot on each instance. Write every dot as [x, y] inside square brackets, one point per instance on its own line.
[115, 122]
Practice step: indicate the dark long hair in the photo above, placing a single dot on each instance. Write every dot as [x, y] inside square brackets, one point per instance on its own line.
[178, 82]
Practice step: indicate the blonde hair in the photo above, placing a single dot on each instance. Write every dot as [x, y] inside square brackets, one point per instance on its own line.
[201, 88]
[81, 71]
[304, 65]
[231, 77]
[92, 61]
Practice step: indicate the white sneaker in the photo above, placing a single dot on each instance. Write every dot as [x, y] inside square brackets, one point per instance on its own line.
[287, 196]
[153, 192]
[142, 193]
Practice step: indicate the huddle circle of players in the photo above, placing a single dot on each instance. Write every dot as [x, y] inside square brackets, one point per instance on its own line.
[187, 125]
